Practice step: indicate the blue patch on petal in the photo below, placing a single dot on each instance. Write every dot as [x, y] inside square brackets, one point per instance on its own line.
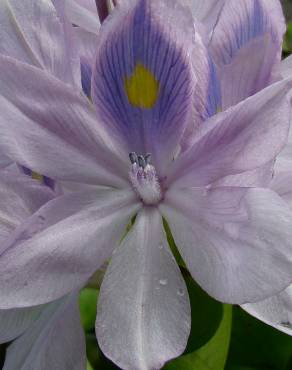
[214, 100]
[139, 57]
[43, 179]
[255, 23]
[86, 73]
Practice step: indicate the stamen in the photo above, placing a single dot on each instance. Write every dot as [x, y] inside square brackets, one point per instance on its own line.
[141, 161]
[144, 179]
[148, 158]
[133, 157]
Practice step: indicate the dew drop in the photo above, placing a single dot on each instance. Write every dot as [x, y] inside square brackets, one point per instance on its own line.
[163, 281]
[181, 292]
[160, 246]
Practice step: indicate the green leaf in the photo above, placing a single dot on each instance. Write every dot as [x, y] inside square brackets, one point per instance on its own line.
[287, 44]
[95, 356]
[87, 304]
[172, 244]
[206, 315]
[206, 312]
[89, 367]
[257, 345]
[212, 356]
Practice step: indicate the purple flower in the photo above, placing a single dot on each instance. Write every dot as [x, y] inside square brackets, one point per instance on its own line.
[151, 143]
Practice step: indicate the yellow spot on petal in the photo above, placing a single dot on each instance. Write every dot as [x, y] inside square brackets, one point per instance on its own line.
[142, 88]
[37, 176]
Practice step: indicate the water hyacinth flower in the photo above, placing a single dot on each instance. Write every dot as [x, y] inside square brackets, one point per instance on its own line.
[40, 333]
[151, 142]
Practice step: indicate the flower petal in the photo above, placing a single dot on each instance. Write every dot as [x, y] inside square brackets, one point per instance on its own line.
[236, 242]
[83, 14]
[62, 245]
[14, 322]
[20, 196]
[275, 311]
[142, 81]
[246, 45]
[206, 11]
[143, 316]
[249, 71]
[286, 67]
[86, 43]
[48, 127]
[206, 95]
[243, 21]
[55, 341]
[244, 137]
[4, 161]
[32, 32]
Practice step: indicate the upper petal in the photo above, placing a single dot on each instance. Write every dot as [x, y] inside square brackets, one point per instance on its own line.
[33, 32]
[58, 248]
[55, 341]
[207, 12]
[50, 128]
[142, 80]
[246, 45]
[143, 315]
[243, 21]
[206, 94]
[243, 138]
[236, 242]
[249, 71]
[83, 14]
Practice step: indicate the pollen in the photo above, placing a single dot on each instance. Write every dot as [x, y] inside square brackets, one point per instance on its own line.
[37, 176]
[142, 88]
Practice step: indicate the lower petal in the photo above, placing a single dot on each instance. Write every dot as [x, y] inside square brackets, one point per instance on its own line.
[236, 242]
[14, 322]
[143, 315]
[275, 311]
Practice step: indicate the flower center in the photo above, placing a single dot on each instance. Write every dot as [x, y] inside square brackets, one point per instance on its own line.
[144, 179]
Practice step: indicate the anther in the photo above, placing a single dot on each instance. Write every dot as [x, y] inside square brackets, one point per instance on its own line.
[148, 158]
[141, 161]
[133, 157]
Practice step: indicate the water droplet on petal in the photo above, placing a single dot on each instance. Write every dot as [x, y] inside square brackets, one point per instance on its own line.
[160, 246]
[163, 281]
[181, 292]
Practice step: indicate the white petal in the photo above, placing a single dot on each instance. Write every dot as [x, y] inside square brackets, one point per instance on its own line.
[143, 311]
